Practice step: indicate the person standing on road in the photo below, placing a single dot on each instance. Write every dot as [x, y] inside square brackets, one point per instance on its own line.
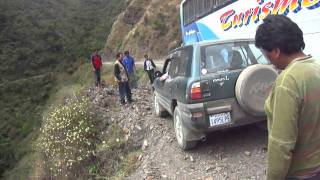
[129, 64]
[293, 106]
[121, 77]
[149, 67]
[97, 66]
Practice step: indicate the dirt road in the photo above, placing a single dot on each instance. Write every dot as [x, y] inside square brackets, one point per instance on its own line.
[233, 154]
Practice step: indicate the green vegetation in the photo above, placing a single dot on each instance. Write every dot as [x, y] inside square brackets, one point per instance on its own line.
[67, 138]
[42, 43]
[114, 157]
[160, 24]
[64, 136]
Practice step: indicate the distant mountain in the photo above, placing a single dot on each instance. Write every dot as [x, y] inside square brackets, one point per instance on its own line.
[151, 27]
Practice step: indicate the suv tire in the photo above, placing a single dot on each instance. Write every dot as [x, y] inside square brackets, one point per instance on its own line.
[180, 132]
[253, 86]
[158, 109]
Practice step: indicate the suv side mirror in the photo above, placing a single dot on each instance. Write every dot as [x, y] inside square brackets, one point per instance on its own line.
[158, 74]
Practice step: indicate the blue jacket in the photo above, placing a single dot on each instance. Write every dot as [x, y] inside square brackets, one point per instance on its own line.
[128, 63]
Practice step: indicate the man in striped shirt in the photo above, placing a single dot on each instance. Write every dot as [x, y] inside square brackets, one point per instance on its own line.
[293, 106]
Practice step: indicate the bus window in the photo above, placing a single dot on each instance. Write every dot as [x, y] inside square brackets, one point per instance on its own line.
[191, 11]
[210, 5]
[185, 13]
[201, 8]
[188, 12]
[195, 9]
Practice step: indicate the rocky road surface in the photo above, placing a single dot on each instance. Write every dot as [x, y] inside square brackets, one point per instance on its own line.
[232, 154]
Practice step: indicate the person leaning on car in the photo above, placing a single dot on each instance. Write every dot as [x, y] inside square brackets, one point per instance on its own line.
[293, 106]
[149, 67]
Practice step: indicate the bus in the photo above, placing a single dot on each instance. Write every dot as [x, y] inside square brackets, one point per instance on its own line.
[203, 20]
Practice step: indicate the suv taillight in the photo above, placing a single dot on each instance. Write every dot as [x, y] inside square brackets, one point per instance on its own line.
[195, 92]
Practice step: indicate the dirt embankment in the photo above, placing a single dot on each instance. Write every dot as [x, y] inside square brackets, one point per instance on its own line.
[145, 26]
[233, 154]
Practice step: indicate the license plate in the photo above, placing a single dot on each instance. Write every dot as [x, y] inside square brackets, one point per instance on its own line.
[220, 119]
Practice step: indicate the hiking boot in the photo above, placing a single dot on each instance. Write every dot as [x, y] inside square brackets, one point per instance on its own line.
[122, 102]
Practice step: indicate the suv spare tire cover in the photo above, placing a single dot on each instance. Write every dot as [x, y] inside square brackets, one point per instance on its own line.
[253, 86]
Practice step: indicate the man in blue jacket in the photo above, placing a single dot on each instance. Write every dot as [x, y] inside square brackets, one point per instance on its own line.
[129, 64]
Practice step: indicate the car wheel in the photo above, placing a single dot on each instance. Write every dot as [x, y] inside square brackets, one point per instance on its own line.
[158, 109]
[181, 132]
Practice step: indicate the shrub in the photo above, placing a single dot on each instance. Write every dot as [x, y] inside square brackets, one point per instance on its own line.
[159, 24]
[67, 138]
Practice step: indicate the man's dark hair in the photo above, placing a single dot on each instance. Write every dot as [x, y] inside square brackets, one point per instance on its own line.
[118, 55]
[278, 31]
[126, 52]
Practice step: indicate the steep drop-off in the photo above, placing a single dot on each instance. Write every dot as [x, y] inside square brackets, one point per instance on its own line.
[42, 41]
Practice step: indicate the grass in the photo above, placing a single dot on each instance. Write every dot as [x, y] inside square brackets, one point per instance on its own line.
[67, 138]
[115, 157]
[25, 166]
[128, 165]
[66, 86]
[107, 75]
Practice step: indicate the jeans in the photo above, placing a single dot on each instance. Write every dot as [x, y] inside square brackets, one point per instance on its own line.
[97, 77]
[124, 91]
[151, 75]
[132, 80]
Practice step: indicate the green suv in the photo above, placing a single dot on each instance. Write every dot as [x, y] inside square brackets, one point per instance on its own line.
[214, 85]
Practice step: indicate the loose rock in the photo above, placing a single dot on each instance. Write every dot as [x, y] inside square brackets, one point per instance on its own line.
[248, 153]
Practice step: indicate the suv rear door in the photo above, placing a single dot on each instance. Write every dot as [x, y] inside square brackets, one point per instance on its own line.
[221, 65]
[168, 84]
[174, 87]
[183, 59]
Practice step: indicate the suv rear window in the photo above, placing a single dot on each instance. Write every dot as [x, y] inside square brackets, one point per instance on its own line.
[230, 56]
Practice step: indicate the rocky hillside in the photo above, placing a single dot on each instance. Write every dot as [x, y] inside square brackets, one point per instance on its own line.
[145, 26]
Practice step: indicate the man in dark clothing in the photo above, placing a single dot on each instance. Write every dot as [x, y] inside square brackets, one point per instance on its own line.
[97, 66]
[149, 67]
[121, 76]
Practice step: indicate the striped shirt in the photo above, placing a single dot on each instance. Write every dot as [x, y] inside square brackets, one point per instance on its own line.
[293, 111]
